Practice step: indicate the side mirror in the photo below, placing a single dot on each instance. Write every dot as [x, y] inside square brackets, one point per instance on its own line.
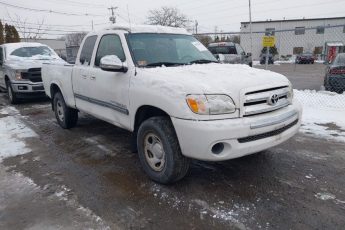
[113, 63]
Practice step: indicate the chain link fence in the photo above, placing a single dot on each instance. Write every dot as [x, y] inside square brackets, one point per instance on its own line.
[312, 58]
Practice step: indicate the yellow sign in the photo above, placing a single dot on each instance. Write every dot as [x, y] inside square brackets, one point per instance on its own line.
[268, 41]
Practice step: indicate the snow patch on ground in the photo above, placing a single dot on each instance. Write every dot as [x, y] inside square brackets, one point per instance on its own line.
[323, 114]
[325, 196]
[12, 134]
[220, 210]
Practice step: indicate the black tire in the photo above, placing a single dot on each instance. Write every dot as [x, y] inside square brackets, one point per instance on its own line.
[65, 116]
[173, 166]
[12, 97]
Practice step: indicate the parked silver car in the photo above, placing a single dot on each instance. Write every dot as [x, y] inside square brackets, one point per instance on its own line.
[229, 52]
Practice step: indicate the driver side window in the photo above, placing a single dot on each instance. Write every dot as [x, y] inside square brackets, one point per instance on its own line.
[109, 45]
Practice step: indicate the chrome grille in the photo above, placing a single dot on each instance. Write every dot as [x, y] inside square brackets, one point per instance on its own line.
[267, 100]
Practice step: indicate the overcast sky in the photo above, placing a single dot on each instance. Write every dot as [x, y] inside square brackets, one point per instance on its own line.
[225, 14]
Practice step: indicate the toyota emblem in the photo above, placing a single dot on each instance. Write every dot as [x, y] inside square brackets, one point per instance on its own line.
[273, 100]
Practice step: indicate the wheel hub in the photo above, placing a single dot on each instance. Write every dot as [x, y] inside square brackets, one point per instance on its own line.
[154, 152]
[60, 110]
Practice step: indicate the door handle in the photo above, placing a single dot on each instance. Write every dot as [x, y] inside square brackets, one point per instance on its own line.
[93, 78]
[83, 76]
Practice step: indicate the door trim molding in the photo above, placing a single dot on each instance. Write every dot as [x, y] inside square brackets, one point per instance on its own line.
[114, 105]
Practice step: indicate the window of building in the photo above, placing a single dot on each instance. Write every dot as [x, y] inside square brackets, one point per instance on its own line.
[109, 45]
[320, 30]
[270, 32]
[297, 50]
[344, 29]
[86, 52]
[300, 30]
[318, 50]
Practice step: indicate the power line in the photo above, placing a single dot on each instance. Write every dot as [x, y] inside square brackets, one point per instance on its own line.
[49, 25]
[285, 8]
[48, 11]
[45, 29]
[79, 3]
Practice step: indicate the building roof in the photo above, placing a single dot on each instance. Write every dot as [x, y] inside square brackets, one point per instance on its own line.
[295, 20]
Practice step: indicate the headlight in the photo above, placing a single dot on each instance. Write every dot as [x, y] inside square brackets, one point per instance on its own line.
[211, 104]
[18, 75]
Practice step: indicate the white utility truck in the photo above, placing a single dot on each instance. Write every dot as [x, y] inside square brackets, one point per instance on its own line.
[163, 85]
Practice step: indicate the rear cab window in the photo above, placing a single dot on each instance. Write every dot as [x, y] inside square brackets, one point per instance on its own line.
[87, 50]
[1, 55]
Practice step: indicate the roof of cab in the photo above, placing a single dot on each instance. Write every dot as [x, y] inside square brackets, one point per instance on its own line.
[149, 29]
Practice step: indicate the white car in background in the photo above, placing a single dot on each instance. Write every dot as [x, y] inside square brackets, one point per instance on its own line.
[20, 69]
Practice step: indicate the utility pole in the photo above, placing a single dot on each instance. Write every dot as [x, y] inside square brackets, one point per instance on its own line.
[196, 26]
[251, 30]
[113, 17]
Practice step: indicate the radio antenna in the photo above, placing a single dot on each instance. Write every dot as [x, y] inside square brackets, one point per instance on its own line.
[129, 18]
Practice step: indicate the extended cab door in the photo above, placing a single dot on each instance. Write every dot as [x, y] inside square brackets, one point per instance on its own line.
[104, 93]
[81, 70]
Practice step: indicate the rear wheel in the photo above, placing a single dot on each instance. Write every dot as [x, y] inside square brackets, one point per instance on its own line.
[65, 116]
[159, 151]
[12, 97]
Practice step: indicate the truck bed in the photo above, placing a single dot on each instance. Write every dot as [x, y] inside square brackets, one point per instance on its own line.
[59, 75]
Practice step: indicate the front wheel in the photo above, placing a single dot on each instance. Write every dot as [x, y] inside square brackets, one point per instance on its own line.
[12, 97]
[159, 151]
[65, 116]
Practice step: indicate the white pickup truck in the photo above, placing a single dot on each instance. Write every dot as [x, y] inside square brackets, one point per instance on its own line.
[20, 69]
[164, 86]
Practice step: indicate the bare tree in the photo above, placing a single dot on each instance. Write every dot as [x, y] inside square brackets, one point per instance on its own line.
[204, 39]
[167, 16]
[75, 39]
[28, 31]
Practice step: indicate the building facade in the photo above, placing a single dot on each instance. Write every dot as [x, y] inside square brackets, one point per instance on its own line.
[324, 37]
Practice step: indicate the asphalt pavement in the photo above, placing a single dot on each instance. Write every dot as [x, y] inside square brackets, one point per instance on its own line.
[302, 76]
[87, 178]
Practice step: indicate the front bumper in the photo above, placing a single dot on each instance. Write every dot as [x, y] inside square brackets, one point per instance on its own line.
[240, 136]
[27, 87]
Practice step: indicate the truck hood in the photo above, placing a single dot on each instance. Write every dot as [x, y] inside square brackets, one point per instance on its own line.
[25, 64]
[212, 78]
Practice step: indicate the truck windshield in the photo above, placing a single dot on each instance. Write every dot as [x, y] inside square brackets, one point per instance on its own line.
[151, 50]
[34, 52]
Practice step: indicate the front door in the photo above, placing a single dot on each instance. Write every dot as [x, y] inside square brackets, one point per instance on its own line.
[107, 91]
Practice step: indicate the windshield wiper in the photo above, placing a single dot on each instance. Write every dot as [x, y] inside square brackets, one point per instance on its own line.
[163, 63]
[202, 61]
